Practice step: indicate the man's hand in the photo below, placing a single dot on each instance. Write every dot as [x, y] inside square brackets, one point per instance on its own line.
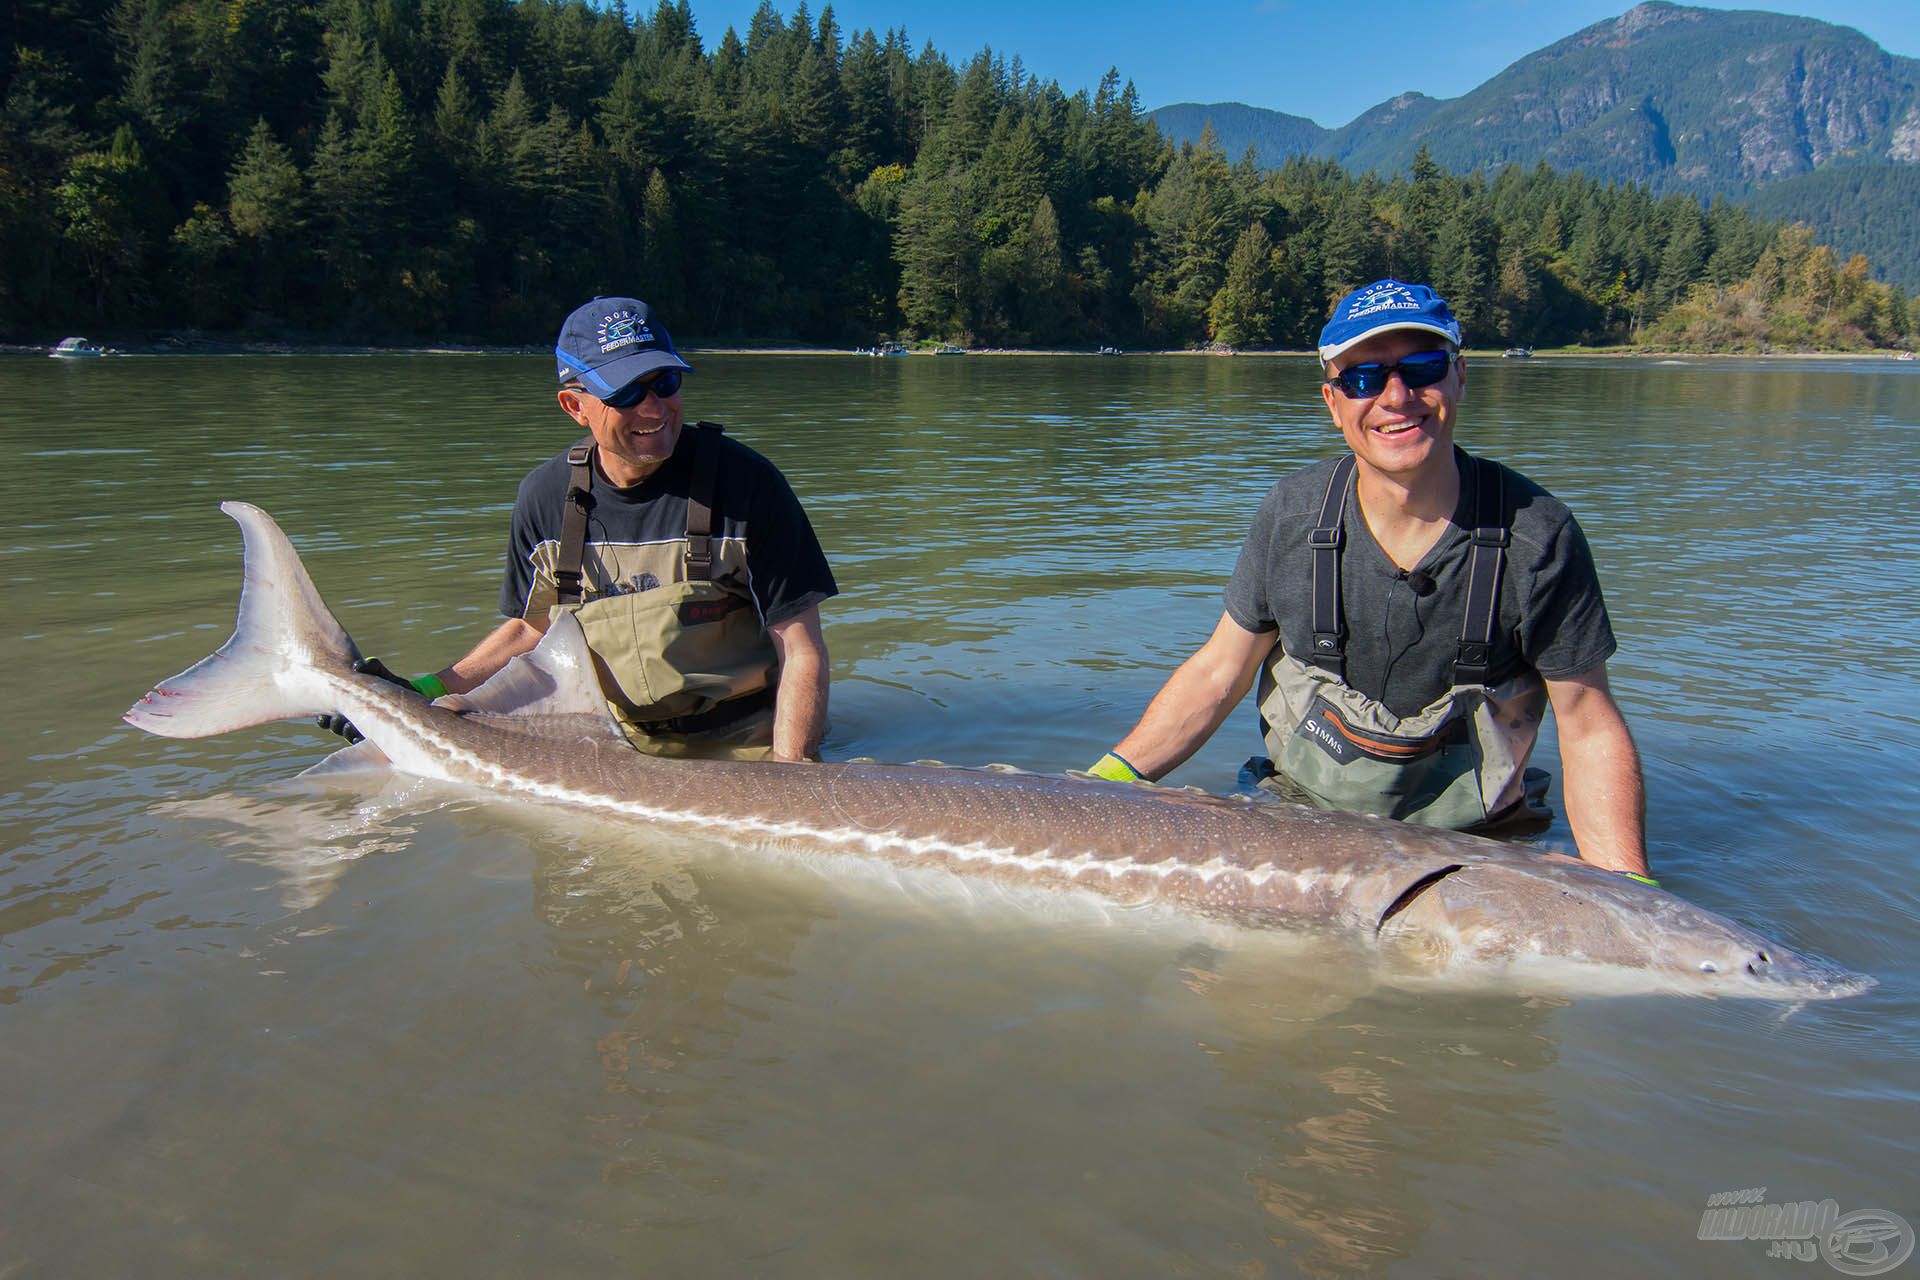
[426, 686]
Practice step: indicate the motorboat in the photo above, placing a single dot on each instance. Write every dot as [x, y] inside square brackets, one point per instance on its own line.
[76, 349]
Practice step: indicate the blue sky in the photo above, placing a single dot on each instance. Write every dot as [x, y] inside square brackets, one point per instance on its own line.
[1313, 58]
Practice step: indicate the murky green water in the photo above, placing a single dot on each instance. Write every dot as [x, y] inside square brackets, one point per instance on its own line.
[249, 1028]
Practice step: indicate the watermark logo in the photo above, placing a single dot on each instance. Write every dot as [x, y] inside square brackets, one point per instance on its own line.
[1866, 1242]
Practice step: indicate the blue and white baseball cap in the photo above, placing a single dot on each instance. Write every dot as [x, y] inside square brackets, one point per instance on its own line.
[609, 342]
[1384, 305]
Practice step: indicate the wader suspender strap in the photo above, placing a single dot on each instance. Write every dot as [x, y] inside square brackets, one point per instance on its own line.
[573, 525]
[706, 471]
[1329, 630]
[1490, 539]
[567, 577]
[1489, 552]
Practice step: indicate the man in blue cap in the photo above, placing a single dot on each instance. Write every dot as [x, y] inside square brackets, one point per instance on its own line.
[1410, 612]
[685, 555]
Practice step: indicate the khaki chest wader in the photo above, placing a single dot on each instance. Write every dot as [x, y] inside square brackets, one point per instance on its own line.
[686, 667]
[1459, 762]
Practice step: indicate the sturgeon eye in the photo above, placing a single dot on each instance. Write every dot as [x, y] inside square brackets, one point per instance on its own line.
[1708, 966]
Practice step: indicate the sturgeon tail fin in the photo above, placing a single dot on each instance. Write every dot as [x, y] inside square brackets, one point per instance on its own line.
[285, 649]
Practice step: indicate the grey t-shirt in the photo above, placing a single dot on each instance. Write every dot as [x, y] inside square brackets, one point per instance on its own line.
[1401, 645]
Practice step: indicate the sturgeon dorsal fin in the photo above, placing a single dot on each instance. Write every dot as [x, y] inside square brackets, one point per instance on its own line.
[556, 679]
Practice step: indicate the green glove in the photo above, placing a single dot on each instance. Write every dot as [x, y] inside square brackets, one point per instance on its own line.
[1115, 769]
[430, 685]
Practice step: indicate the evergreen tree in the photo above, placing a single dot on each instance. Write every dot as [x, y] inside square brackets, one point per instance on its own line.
[265, 208]
[1243, 311]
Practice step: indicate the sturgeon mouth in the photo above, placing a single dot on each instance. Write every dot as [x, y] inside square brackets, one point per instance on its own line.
[1413, 891]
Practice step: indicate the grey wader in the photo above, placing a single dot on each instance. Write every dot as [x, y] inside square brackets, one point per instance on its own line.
[1461, 761]
[686, 666]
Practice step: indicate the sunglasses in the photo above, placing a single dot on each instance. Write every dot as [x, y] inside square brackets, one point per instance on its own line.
[662, 384]
[1422, 369]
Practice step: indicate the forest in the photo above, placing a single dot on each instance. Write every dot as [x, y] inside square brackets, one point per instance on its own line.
[391, 171]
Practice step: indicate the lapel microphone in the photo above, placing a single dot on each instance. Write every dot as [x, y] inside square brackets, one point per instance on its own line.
[1419, 582]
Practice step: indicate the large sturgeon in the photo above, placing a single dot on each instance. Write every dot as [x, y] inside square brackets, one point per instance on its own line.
[1432, 902]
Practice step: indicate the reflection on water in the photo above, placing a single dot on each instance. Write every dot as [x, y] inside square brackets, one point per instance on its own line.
[251, 1026]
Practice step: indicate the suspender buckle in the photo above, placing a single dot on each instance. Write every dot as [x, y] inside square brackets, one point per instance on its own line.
[1495, 537]
[1330, 653]
[1331, 538]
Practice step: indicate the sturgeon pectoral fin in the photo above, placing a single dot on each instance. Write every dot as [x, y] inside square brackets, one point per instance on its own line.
[554, 681]
[360, 760]
[1414, 890]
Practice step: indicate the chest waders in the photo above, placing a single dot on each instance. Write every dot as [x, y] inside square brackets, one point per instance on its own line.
[686, 666]
[1459, 762]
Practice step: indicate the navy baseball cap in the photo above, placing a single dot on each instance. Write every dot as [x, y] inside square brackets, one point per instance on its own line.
[1384, 305]
[609, 342]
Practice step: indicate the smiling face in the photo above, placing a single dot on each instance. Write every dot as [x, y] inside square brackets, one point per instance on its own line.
[1402, 434]
[634, 441]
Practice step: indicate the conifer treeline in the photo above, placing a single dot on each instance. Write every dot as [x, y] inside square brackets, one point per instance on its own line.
[471, 169]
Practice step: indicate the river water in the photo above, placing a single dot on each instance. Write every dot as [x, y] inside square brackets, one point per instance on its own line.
[248, 1027]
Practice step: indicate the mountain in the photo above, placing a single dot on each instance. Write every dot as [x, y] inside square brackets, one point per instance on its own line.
[1859, 208]
[1274, 135]
[1716, 102]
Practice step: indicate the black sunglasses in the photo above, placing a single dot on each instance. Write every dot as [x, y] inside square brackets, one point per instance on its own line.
[662, 384]
[1422, 369]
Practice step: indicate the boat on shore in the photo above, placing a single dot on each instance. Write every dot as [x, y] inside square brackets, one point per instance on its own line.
[1518, 353]
[948, 349]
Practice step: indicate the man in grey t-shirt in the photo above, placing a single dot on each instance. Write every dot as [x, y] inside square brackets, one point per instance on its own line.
[1411, 612]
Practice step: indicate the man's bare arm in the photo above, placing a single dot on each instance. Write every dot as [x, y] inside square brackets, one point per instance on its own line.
[1196, 699]
[800, 707]
[504, 643]
[1606, 799]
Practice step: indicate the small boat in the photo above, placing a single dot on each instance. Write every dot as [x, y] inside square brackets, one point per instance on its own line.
[890, 349]
[76, 349]
[1518, 353]
[948, 349]
[1904, 355]
[1110, 351]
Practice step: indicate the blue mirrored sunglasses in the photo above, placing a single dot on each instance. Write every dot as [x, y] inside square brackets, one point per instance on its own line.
[1422, 369]
[662, 384]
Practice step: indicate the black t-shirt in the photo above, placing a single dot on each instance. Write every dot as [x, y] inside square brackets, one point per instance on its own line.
[1401, 645]
[764, 546]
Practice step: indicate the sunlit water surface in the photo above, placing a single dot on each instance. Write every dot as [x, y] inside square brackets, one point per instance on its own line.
[247, 1027]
